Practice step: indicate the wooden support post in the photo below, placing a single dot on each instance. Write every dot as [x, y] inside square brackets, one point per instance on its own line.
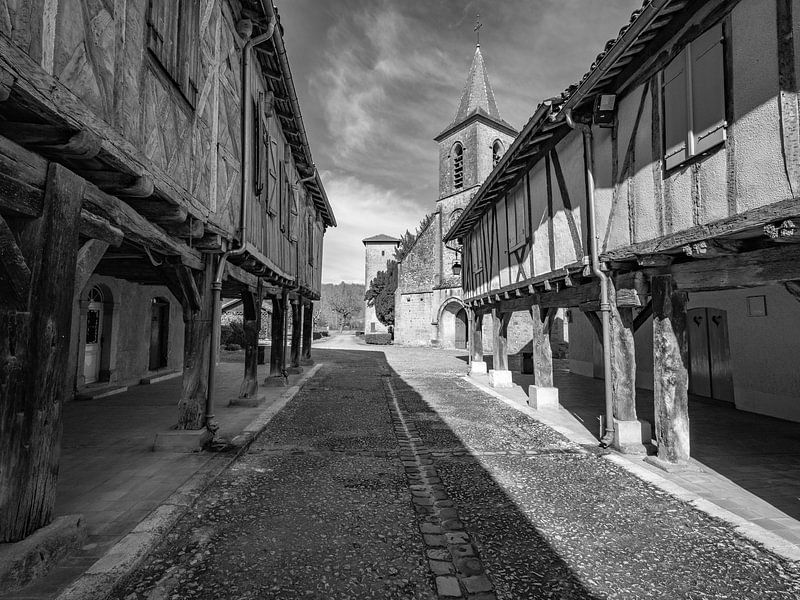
[197, 301]
[89, 256]
[671, 377]
[542, 351]
[623, 360]
[477, 366]
[499, 375]
[251, 305]
[308, 334]
[34, 343]
[297, 336]
[276, 366]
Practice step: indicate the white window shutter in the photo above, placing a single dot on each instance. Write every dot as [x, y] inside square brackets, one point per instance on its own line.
[675, 116]
[708, 90]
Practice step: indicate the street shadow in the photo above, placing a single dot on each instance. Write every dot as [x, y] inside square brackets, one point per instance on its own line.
[522, 561]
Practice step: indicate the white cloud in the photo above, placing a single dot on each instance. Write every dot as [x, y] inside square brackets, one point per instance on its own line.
[362, 210]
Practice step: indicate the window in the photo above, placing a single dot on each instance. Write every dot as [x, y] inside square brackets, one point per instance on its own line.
[310, 240]
[172, 32]
[293, 213]
[497, 152]
[694, 99]
[273, 193]
[458, 166]
[515, 211]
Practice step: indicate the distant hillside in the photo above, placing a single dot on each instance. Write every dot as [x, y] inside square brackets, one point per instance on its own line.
[341, 305]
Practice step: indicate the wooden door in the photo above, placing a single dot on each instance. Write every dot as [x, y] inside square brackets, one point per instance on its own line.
[719, 355]
[699, 365]
[159, 334]
[710, 371]
[461, 329]
[93, 350]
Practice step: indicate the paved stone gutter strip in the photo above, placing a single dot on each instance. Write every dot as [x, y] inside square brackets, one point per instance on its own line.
[744, 527]
[100, 580]
[452, 557]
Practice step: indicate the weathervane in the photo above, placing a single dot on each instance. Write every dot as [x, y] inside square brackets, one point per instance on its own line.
[477, 28]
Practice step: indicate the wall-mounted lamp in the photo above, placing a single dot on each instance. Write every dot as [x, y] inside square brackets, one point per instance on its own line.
[604, 107]
[456, 268]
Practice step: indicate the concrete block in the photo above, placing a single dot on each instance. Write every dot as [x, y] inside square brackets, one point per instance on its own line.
[294, 370]
[251, 402]
[542, 397]
[500, 379]
[22, 562]
[630, 436]
[478, 368]
[156, 378]
[276, 381]
[181, 440]
[307, 362]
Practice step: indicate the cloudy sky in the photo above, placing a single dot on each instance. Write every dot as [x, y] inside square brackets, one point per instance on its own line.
[378, 79]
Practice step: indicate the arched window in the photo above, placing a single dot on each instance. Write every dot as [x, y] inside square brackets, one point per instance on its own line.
[497, 152]
[95, 294]
[458, 166]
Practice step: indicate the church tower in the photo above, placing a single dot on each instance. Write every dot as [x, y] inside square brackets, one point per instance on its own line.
[471, 145]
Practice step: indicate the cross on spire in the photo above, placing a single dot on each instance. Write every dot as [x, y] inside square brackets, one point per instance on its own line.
[477, 28]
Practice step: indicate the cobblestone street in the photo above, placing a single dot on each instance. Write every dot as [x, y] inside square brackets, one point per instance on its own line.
[389, 476]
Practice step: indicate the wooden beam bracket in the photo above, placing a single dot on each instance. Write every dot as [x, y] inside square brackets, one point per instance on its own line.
[15, 271]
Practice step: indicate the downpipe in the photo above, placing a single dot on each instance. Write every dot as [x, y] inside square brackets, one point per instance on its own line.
[605, 305]
[246, 134]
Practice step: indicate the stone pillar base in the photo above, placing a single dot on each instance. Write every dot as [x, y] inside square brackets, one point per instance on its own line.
[630, 437]
[542, 397]
[275, 381]
[28, 559]
[250, 402]
[307, 362]
[477, 367]
[294, 370]
[500, 379]
[182, 440]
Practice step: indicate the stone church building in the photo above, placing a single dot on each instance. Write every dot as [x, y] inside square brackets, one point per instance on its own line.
[429, 309]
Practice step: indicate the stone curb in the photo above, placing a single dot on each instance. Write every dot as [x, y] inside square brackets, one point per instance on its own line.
[755, 533]
[100, 580]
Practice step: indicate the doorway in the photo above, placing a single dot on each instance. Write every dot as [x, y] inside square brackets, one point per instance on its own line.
[159, 333]
[93, 349]
[461, 336]
[710, 370]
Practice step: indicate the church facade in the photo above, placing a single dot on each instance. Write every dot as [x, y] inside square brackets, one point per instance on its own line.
[428, 307]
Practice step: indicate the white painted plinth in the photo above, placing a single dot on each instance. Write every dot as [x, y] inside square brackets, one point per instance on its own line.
[477, 367]
[500, 379]
[630, 436]
[542, 397]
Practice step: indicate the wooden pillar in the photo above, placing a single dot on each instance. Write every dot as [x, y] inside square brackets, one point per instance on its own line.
[297, 336]
[542, 351]
[37, 281]
[276, 366]
[251, 304]
[308, 334]
[623, 360]
[476, 335]
[500, 339]
[197, 302]
[671, 377]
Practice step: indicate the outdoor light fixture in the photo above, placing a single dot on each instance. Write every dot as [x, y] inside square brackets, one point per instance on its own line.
[604, 110]
[456, 268]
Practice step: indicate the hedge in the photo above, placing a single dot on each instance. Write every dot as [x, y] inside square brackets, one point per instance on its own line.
[382, 339]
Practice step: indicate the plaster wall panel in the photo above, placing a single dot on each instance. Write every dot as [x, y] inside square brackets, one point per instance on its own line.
[570, 155]
[645, 210]
[539, 219]
[760, 170]
[562, 236]
[604, 181]
[678, 200]
[712, 181]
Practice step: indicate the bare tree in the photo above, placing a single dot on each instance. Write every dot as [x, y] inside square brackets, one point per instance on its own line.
[345, 301]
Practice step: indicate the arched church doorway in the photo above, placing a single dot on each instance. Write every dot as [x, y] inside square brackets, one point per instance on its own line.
[453, 324]
[710, 370]
[159, 333]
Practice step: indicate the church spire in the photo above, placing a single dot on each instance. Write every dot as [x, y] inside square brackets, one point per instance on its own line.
[478, 96]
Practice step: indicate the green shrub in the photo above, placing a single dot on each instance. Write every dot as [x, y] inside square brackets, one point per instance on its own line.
[232, 333]
[381, 339]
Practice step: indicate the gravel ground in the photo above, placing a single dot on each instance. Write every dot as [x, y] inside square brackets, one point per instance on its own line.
[388, 476]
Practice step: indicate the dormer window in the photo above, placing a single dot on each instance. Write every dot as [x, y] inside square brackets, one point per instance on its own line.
[497, 152]
[458, 166]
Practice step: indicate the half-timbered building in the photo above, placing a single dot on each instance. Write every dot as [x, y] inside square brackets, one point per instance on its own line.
[153, 160]
[657, 199]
